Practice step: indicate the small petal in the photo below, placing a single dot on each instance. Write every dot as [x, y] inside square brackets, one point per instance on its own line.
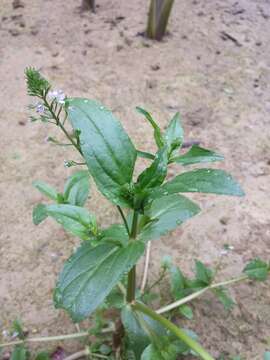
[40, 109]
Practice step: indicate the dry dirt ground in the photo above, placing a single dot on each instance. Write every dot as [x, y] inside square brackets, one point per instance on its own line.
[213, 67]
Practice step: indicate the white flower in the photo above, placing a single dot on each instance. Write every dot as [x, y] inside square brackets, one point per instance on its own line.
[57, 95]
[40, 108]
[68, 163]
[224, 252]
[5, 333]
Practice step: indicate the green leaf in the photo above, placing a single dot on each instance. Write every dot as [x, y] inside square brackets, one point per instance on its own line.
[19, 353]
[266, 355]
[74, 219]
[224, 297]
[39, 214]
[151, 353]
[203, 273]
[46, 189]
[174, 134]
[115, 299]
[155, 174]
[205, 181]
[186, 311]
[76, 189]
[169, 351]
[90, 274]
[107, 149]
[157, 132]
[115, 234]
[17, 328]
[197, 155]
[137, 338]
[141, 330]
[257, 270]
[177, 280]
[43, 355]
[105, 349]
[145, 155]
[166, 213]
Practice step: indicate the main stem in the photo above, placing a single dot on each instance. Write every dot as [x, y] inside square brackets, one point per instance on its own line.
[180, 334]
[131, 288]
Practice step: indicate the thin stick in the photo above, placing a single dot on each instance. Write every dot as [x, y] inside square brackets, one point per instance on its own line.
[146, 266]
[78, 355]
[54, 338]
[47, 338]
[199, 293]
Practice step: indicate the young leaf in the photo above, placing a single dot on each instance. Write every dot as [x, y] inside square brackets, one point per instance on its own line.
[177, 280]
[90, 274]
[155, 174]
[39, 214]
[145, 155]
[43, 355]
[205, 181]
[186, 311]
[19, 353]
[107, 149]
[224, 297]
[151, 353]
[17, 328]
[197, 155]
[174, 134]
[166, 213]
[76, 189]
[257, 270]
[157, 132]
[115, 234]
[203, 273]
[137, 338]
[46, 189]
[74, 219]
[115, 299]
[168, 350]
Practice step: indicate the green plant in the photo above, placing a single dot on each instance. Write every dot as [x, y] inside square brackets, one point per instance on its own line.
[101, 274]
[158, 17]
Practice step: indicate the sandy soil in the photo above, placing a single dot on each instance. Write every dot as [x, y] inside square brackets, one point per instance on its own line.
[214, 67]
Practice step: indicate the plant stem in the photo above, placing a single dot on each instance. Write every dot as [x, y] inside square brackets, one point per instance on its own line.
[78, 355]
[46, 339]
[180, 334]
[132, 274]
[54, 338]
[199, 293]
[161, 277]
[58, 123]
[124, 219]
[146, 266]
[85, 353]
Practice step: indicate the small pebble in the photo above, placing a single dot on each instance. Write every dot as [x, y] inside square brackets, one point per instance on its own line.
[34, 31]
[155, 67]
[224, 220]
